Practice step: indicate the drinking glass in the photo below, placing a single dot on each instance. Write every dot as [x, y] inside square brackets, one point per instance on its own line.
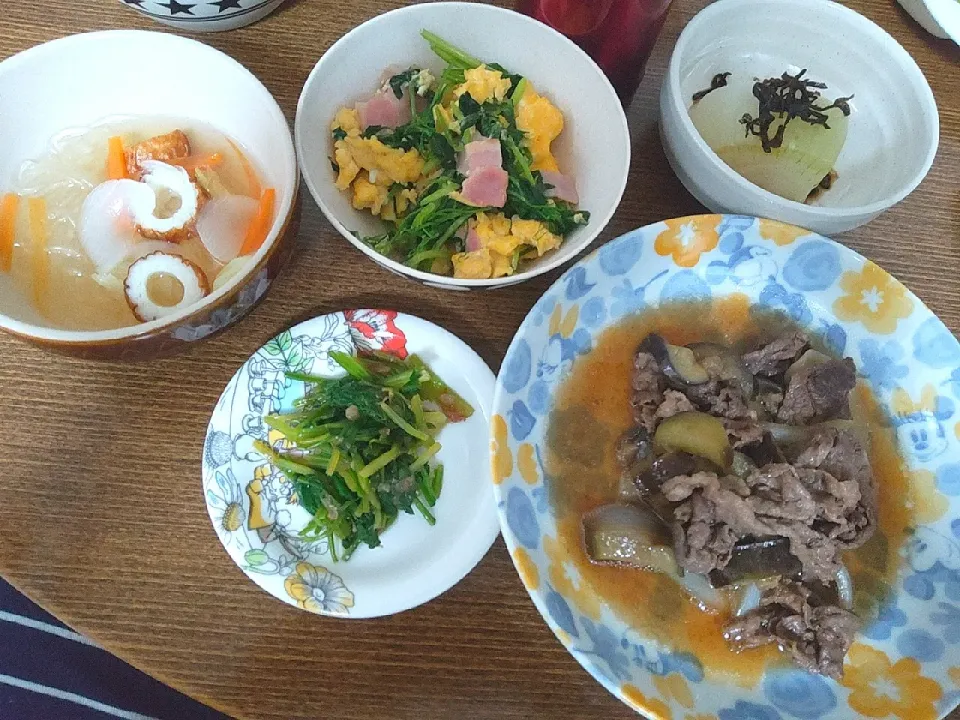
[618, 34]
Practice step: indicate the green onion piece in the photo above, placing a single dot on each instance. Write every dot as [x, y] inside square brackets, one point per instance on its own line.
[403, 424]
[450, 54]
[351, 364]
[334, 461]
[379, 463]
[424, 457]
[427, 515]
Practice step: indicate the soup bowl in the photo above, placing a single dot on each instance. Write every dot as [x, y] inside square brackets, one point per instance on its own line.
[594, 146]
[638, 636]
[78, 81]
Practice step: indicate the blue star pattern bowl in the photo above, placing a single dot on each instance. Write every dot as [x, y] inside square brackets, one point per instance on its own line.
[905, 663]
[205, 15]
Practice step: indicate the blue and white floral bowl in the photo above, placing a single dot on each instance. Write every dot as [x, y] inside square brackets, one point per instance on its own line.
[906, 662]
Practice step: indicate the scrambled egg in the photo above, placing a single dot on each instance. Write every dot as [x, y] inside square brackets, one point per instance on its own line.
[371, 168]
[542, 122]
[482, 84]
[500, 237]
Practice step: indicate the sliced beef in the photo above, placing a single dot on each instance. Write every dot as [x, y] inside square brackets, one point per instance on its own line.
[836, 461]
[674, 402]
[648, 384]
[817, 636]
[775, 357]
[744, 433]
[819, 392]
[720, 398]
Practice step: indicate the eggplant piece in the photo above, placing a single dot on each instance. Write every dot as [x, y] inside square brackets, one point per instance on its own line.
[722, 363]
[766, 452]
[634, 446]
[669, 466]
[677, 363]
[695, 433]
[755, 559]
[621, 534]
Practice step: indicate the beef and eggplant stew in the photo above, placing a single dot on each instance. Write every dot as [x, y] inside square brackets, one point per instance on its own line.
[745, 479]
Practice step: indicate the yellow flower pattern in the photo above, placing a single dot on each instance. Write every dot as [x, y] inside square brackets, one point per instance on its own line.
[653, 708]
[780, 233]
[674, 686]
[880, 689]
[527, 464]
[318, 590]
[873, 298]
[527, 568]
[685, 239]
[561, 324]
[500, 451]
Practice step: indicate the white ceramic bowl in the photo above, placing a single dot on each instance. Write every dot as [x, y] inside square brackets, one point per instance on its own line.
[594, 146]
[82, 79]
[205, 16]
[940, 17]
[894, 128]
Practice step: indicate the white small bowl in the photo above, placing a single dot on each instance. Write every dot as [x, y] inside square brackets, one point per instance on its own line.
[205, 16]
[894, 129]
[594, 146]
[939, 17]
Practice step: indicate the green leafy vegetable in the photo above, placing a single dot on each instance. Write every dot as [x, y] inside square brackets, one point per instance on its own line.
[362, 446]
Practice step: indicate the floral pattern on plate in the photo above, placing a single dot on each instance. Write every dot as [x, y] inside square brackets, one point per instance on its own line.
[906, 662]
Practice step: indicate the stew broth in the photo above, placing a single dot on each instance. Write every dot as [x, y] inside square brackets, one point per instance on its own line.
[592, 410]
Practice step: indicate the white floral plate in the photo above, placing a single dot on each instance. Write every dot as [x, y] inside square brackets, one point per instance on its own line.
[257, 516]
[905, 664]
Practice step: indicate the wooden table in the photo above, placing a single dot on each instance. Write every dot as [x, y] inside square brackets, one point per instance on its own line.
[102, 515]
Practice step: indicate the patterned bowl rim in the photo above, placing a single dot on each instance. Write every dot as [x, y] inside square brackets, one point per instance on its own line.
[653, 708]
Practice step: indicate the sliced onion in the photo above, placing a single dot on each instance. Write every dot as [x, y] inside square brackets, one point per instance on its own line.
[223, 223]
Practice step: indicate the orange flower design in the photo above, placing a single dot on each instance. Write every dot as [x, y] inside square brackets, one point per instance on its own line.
[674, 686]
[880, 689]
[527, 463]
[701, 717]
[526, 568]
[926, 503]
[502, 458]
[653, 708]
[781, 233]
[873, 298]
[688, 238]
[570, 587]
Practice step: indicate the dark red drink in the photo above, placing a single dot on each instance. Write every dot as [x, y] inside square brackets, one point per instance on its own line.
[618, 34]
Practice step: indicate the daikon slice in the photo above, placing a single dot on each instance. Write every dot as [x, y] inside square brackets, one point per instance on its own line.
[222, 225]
[107, 229]
[807, 155]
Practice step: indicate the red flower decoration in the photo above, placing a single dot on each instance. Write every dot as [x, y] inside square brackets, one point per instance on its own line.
[377, 330]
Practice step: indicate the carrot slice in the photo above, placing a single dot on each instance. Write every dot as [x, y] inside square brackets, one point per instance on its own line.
[37, 215]
[116, 159]
[253, 180]
[9, 206]
[195, 161]
[261, 223]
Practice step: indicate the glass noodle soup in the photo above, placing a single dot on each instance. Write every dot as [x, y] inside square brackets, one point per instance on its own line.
[130, 221]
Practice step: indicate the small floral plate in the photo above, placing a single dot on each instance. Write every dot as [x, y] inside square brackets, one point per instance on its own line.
[257, 515]
[905, 663]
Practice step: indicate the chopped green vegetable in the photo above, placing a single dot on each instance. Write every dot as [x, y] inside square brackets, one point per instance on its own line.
[362, 447]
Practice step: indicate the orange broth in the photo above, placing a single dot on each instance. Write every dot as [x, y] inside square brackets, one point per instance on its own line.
[592, 410]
